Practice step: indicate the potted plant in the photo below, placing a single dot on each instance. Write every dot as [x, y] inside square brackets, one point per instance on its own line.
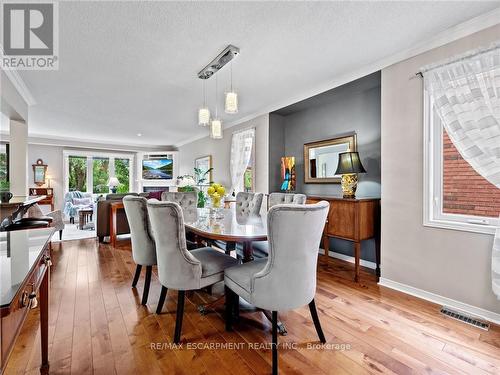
[201, 179]
[5, 194]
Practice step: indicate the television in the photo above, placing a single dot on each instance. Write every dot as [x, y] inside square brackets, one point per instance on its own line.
[157, 169]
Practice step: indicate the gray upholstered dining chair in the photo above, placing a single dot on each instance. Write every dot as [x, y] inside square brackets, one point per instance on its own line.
[189, 202]
[179, 268]
[143, 244]
[261, 248]
[248, 203]
[287, 278]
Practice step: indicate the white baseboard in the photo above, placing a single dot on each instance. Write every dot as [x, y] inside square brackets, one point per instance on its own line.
[444, 301]
[350, 259]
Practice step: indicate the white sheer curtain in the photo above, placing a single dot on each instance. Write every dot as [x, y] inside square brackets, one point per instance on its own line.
[466, 95]
[241, 151]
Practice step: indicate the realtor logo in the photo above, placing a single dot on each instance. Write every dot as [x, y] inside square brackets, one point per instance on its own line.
[29, 36]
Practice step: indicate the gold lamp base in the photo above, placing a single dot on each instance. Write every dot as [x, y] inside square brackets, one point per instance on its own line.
[349, 184]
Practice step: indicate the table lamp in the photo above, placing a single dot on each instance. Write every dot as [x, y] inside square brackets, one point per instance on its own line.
[113, 183]
[349, 166]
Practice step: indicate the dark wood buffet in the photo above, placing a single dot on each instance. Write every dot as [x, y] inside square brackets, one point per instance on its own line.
[24, 284]
[352, 219]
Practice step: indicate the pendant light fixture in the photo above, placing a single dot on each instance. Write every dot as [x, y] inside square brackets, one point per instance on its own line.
[216, 124]
[204, 112]
[231, 102]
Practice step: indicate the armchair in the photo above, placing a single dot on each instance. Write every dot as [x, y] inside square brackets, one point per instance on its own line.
[72, 203]
[54, 218]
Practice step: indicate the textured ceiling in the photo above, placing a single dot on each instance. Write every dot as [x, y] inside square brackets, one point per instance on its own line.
[130, 67]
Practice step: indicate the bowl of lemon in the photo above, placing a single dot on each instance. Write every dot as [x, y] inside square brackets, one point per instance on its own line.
[216, 193]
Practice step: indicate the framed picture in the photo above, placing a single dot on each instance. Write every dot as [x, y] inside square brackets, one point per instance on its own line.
[39, 171]
[203, 170]
[321, 159]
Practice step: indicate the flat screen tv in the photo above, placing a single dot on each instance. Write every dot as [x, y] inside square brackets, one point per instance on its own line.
[157, 169]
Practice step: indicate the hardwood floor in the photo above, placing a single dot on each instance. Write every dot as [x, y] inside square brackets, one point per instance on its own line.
[97, 325]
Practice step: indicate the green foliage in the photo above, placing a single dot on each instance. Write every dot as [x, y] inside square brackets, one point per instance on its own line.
[77, 173]
[122, 173]
[100, 173]
[248, 179]
[4, 185]
[3, 166]
[200, 176]
[201, 199]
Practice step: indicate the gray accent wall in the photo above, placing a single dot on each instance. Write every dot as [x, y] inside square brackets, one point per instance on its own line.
[353, 107]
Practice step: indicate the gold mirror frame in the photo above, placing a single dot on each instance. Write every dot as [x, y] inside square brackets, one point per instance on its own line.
[351, 139]
[39, 172]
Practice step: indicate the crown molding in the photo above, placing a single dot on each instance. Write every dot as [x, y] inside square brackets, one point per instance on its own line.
[449, 35]
[18, 83]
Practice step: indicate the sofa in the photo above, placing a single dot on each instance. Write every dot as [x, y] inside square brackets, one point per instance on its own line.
[103, 211]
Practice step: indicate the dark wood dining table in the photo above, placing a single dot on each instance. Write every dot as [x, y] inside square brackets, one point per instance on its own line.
[226, 224]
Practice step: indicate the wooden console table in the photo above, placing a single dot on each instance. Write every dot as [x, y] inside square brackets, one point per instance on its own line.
[47, 192]
[25, 256]
[113, 209]
[353, 220]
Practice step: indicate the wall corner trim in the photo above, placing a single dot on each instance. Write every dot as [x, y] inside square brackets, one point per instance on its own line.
[490, 316]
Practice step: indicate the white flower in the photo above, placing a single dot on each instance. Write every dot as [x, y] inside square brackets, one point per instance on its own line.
[186, 181]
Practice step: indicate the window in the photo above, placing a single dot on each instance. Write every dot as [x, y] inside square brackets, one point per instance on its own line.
[455, 195]
[100, 175]
[90, 172]
[122, 168]
[4, 162]
[77, 173]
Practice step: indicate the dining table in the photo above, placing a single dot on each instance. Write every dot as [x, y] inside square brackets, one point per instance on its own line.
[232, 227]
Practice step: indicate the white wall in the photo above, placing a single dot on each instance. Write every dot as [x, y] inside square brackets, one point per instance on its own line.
[448, 263]
[18, 154]
[220, 149]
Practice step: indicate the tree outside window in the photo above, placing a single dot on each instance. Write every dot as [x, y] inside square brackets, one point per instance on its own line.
[122, 173]
[77, 173]
[100, 173]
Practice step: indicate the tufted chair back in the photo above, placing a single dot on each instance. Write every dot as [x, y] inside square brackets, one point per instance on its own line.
[288, 280]
[143, 244]
[286, 198]
[177, 267]
[248, 203]
[188, 200]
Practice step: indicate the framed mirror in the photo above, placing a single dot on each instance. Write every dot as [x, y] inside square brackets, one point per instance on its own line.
[321, 159]
[39, 172]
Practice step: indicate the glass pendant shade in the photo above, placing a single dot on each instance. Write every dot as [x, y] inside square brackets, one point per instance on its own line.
[204, 116]
[216, 129]
[231, 105]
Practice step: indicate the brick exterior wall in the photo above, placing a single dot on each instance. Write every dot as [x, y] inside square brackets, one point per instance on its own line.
[464, 190]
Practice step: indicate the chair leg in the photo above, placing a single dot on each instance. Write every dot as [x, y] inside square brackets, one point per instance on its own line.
[137, 275]
[275, 342]
[60, 235]
[317, 324]
[229, 295]
[179, 316]
[163, 295]
[147, 283]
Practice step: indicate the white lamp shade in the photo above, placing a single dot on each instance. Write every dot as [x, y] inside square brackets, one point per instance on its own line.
[216, 129]
[231, 105]
[113, 182]
[204, 116]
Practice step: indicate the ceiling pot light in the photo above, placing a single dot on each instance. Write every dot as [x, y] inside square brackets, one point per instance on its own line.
[216, 129]
[231, 102]
[204, 112]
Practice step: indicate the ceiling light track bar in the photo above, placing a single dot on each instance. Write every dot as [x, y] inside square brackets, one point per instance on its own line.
[228, 54]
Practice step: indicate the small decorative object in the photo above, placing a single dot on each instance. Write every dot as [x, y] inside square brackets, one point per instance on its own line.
[39, 171]
[113, 184]
[288, 173]
[349, 166]
[216, 192]
[5, 194]
[201, 200]
[186, 183]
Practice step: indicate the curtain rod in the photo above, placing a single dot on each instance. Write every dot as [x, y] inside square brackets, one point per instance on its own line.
[461, 57]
